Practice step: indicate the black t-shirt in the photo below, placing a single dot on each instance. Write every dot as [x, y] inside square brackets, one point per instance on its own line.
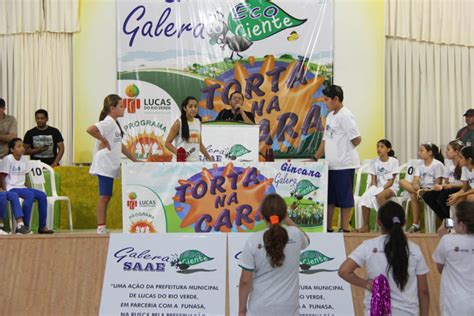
[227, 115]
[466, 136]
[49, 137]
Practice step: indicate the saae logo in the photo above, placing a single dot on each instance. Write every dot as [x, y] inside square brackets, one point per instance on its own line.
[190, 258]
[312, 258]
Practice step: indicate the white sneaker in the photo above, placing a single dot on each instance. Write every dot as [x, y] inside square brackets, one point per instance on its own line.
[2, 232]
[101, 230]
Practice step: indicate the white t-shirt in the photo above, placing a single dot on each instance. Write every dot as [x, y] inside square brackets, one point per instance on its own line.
[429, 174]
[192, 145]
[340, 129]
[16, 171]
[456, 253]
[274, 291]
[384, 171]
[371, 254]
[107, 162]
[449, 172]
[468, 176]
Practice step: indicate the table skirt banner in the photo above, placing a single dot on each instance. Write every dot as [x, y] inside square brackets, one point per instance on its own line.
[321, 292]
[178, 274]
[220, 197]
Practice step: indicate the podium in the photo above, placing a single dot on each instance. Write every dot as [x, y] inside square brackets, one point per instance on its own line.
[231, 141]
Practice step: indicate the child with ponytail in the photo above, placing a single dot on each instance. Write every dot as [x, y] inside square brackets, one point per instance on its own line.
[437, 199]
[269, 283]
[467, 177]
[108, 149]
[428, 176]
[400, 261]
[383, 184]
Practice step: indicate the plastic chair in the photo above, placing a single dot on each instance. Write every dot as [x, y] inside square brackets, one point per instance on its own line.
[357, 195]
[430, 217]
[37, 180]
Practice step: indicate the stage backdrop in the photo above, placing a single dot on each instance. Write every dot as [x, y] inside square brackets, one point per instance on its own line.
[225, 197]
[358, 63]
[277, 53]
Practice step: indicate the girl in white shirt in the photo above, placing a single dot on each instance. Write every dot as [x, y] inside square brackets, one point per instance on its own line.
[383, 171]
[393, 256]
[14, 169]
[428, 176]
[454, 259]
[467, 177]
[269, 283]
[186, 132]
[108, 149]
[437, 199]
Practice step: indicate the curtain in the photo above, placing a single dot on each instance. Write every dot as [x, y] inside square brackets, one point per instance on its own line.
[429, 72]
[30, 16]
[436, 21]
[36, 72]
[36, 63]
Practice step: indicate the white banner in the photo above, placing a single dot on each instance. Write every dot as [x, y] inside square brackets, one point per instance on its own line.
[225, 197]
[231, 142]
[178, 274]
[322, 292]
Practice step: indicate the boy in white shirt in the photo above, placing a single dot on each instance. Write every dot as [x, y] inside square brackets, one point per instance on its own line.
[341, 137]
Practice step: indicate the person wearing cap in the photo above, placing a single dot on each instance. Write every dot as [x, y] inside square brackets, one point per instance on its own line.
[340, 139]
[8, 129]
[466, 134]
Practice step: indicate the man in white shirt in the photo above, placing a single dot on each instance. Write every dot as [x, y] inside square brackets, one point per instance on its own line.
[341, 136]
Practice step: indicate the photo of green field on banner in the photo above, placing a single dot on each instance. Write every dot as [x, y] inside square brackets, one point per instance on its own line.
[279, 54]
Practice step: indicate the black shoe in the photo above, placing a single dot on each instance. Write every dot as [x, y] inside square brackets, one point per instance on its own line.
[23, 230]
[45, 230]
[340, 230]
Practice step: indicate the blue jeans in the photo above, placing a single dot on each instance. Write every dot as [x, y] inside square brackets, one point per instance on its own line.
[29, 196]
[14, 202]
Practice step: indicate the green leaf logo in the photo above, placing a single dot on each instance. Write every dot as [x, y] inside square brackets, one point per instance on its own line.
[305, 187]
[237, 151]
[313, 258]
[193, 257]
[259, 19]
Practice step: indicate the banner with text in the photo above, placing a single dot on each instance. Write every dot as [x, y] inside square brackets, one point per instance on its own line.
[279, 54]
[173, 274]
[225, 197]
[322, 292]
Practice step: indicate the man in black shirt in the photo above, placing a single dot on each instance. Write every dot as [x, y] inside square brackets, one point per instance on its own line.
[466, 134]
[236, 113]
[44, 142]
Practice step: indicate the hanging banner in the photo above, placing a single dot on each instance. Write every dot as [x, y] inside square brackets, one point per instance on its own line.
[175, 274]
[219, 197]
[278, 54]
[322, 291]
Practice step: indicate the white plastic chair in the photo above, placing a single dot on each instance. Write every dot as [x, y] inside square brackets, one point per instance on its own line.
[357, 207]
[430, 217]
[37, 180]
